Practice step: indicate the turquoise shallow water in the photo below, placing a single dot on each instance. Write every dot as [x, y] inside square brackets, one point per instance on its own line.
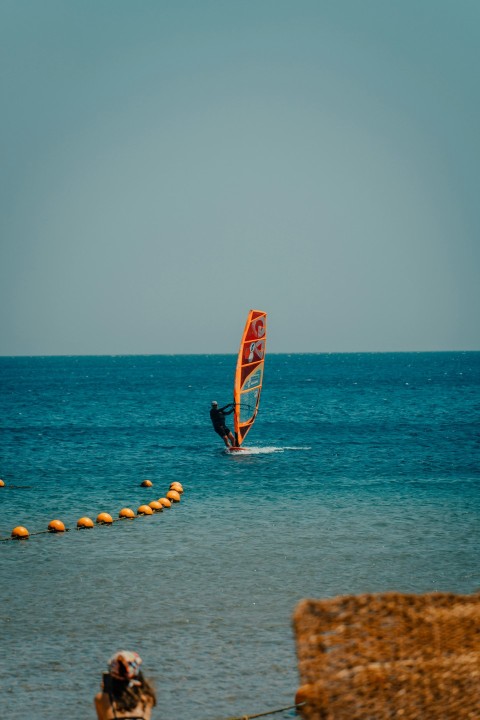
[363, 476]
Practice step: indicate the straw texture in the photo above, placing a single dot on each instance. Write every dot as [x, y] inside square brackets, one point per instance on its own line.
[389, 655]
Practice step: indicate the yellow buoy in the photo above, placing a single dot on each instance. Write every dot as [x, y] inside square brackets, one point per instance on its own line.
[2, 484]
[104, 519]
[146, 483]
[176, 486]
[165, 502]
[156, 506]
[56, 526]
[20, 532]
[303, 694]
[84, 522]
[126, 513]
[144, 510]
[173, 495]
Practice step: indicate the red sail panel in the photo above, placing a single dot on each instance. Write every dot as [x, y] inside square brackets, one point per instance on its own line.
[249, 373]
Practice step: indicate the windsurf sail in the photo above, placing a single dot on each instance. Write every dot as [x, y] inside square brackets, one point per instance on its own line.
[249, 373]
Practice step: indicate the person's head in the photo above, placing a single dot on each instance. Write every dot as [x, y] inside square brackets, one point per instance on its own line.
[214, 404]
[125, 683]
[125, 665]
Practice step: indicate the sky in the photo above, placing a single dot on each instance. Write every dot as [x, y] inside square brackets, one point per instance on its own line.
[166, 165]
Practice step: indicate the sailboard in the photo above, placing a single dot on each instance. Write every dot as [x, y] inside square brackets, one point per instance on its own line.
[249, 374]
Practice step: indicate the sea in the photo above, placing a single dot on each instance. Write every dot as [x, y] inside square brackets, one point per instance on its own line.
[361, 475]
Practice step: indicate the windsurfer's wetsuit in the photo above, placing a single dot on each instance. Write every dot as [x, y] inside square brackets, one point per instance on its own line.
[217, 416]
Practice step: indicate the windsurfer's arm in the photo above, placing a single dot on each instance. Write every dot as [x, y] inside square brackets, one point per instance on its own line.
[230, 405]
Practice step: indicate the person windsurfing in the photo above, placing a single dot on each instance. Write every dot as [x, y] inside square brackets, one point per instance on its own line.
[217, 416]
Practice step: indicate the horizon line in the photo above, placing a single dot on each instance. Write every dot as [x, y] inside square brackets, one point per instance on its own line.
[234, 354]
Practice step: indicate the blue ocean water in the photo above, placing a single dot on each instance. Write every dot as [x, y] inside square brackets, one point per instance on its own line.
[363, 475]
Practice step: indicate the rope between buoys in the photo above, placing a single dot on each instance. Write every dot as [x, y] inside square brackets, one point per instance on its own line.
[268, 712]
[32, 534]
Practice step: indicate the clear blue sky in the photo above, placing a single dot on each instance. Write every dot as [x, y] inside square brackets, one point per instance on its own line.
[166, 166]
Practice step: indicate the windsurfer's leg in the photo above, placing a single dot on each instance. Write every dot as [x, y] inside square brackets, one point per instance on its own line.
[232, 440]
[225, 440]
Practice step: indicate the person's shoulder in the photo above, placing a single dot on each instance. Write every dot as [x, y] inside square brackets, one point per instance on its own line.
[101, 705]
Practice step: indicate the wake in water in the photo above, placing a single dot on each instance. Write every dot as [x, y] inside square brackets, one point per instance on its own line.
[264, 450]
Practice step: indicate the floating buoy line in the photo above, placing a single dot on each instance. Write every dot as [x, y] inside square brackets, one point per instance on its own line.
[57, 526]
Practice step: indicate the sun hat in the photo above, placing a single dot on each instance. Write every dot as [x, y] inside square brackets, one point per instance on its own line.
[125, 665]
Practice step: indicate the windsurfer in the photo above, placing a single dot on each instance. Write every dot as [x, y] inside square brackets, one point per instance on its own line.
[217, 416]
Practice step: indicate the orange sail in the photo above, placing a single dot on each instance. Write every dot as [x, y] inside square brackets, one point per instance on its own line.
[249, 373]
